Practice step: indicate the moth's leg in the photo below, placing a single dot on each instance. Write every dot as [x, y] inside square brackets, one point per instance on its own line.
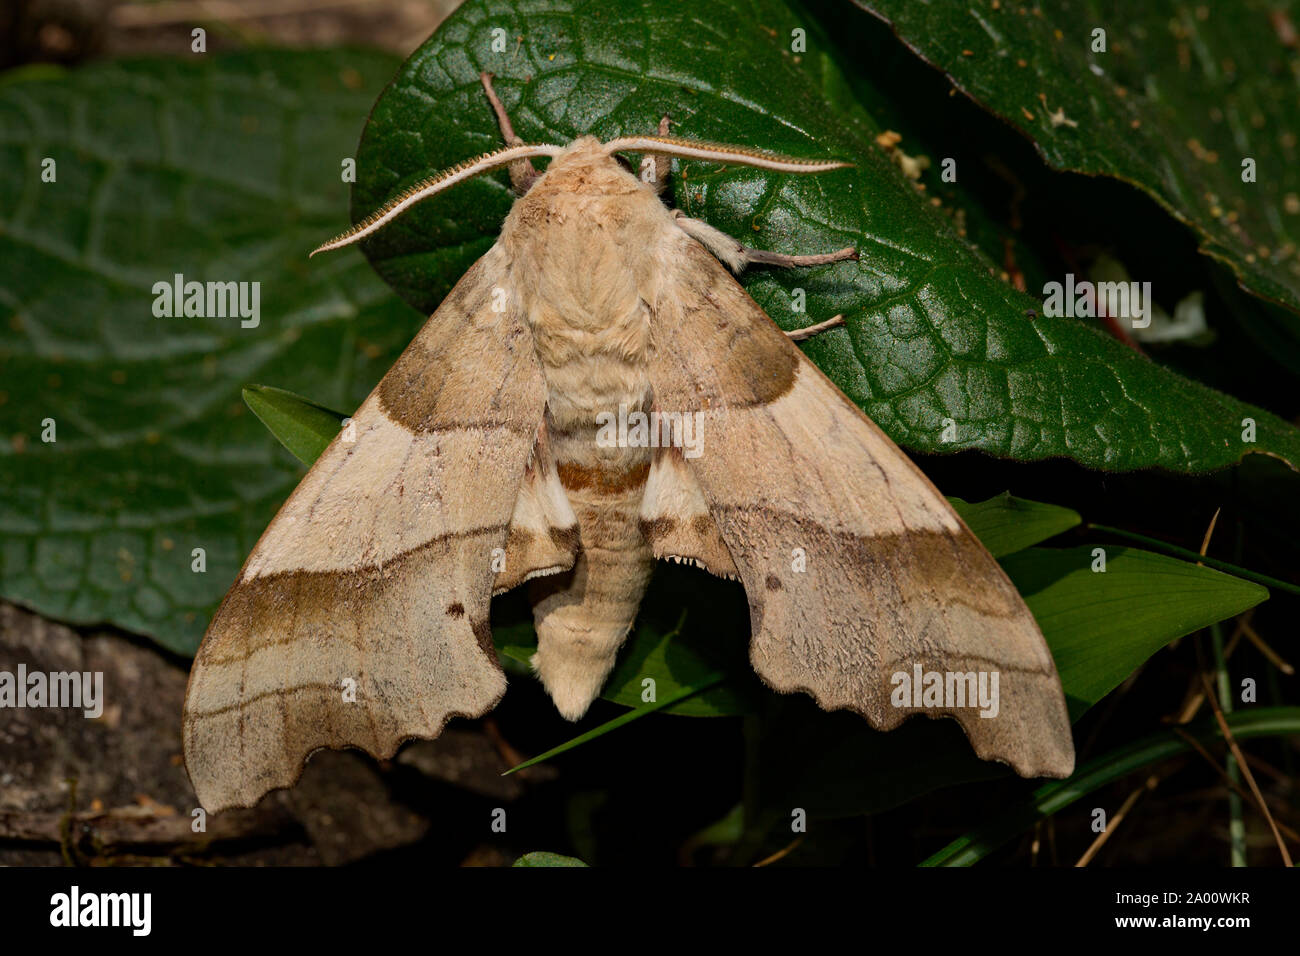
[737, 256]
[661, 165]
[522, 171]
[798, 335]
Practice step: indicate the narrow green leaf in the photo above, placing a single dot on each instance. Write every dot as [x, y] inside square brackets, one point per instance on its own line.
[1101, 625]
[1059, 794]
[300, 425]
[545, 858]
[675, 655]
[725, 831]
[1006, 524]
[1186, 554]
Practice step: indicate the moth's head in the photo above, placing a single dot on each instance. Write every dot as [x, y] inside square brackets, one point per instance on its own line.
[584, 161]
[587, 165]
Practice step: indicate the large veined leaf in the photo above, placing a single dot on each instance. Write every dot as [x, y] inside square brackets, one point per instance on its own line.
[229, 170]
[1179, 98]
[937, 350]
[225, 169]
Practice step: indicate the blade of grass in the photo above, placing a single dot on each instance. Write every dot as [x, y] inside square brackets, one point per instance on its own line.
[1228, 735]
[1150, 784]
[1056, 796]
[1236, 825]
[691, 689]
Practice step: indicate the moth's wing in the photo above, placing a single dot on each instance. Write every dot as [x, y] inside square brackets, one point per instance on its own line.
[796, 476]
[361, 617]
[675, 518]
[543, 529]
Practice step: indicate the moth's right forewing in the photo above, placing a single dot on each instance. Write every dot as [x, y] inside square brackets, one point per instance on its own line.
[361, 617]
[856, 569]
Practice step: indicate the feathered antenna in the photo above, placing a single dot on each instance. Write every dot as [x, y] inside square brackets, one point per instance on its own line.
[721, 152]
[432, 186]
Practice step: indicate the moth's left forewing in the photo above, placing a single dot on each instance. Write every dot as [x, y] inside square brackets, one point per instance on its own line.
[859, 575]
[361, 616]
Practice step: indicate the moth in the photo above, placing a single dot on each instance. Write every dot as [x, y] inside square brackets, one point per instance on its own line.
[360, 619]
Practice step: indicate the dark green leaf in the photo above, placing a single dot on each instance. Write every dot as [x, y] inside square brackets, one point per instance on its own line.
[1181, 96]
[710, 637]
[222, 168]
[302, 426]
[1102, 625]
[678, 697]
[932, 334]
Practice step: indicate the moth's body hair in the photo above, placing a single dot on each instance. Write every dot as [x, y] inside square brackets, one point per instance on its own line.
[476, 468]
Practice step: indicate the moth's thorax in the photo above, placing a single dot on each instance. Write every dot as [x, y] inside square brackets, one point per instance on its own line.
[582, 247]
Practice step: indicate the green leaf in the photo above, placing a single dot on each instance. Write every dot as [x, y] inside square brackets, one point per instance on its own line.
[674, 664]
[1059, 794]
[545, 858]
[1189, 555]
[932, 334]
[1006, 524]
[1182, 94]
[1099, 626]
[222, 168]
[725, 831]
[1102, 625]
[302, 426]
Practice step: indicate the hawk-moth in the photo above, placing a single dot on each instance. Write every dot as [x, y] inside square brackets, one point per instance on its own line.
[483, 440]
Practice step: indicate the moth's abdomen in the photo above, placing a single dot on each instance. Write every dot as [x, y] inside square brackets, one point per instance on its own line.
[584, 615]
[594, 365]
[580, 268]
